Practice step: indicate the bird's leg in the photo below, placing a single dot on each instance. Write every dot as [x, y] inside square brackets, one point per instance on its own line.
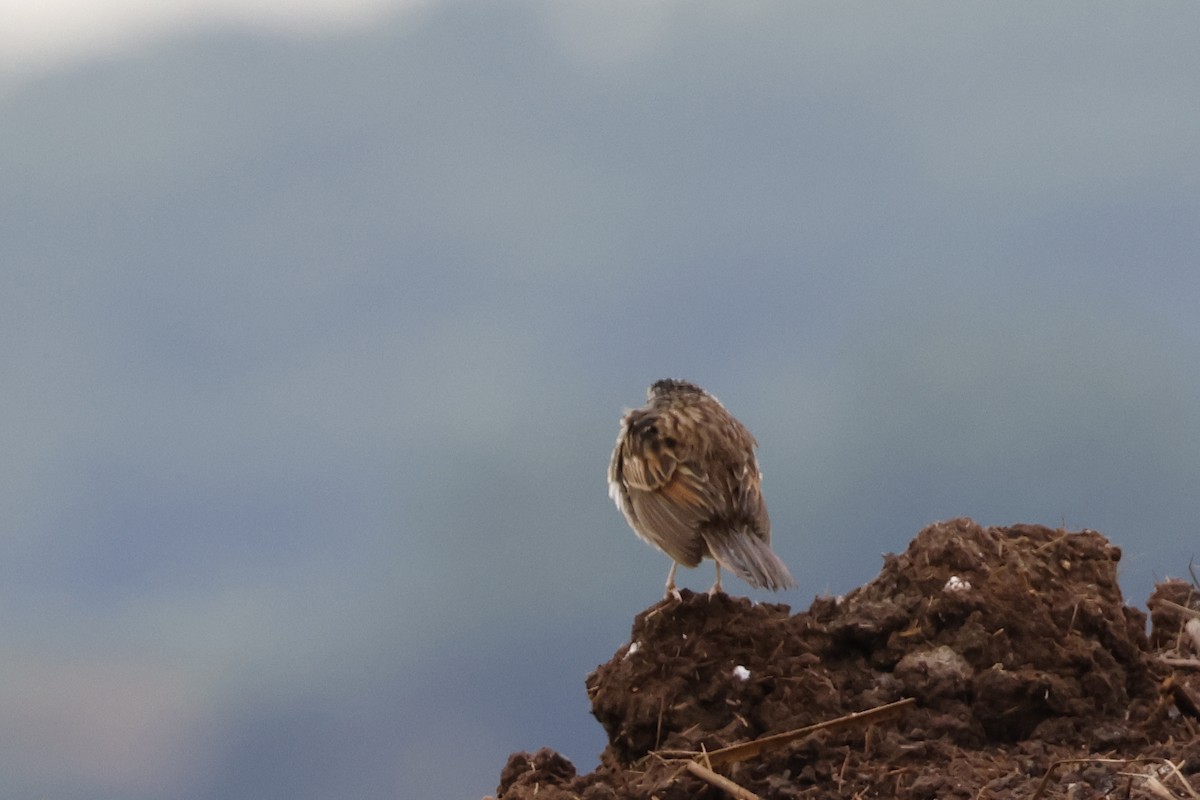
[671, 590]
[716, 587]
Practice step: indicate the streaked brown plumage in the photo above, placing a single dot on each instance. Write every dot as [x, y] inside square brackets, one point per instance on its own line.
[684, 474]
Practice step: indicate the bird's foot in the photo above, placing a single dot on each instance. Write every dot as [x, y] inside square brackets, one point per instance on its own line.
[715, 589]
[671, 591]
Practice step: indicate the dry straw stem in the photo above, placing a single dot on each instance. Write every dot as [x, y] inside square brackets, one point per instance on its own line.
[1153, 784]
[1187, 612]
[1186, 783]
[1155, 787]
[751, 749]
[1184, 663]
[720, 781]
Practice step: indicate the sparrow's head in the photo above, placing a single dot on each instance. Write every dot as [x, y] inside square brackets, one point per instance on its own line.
[670, 388]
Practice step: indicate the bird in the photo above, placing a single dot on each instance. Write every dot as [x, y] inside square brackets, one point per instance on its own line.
[684, 474]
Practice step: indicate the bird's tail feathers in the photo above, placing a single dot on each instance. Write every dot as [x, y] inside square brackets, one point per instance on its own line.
[750, 558]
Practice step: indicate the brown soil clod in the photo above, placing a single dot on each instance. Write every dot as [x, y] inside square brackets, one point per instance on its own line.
[980, 663]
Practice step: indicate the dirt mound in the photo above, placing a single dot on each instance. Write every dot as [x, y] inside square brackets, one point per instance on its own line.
[1014, 645]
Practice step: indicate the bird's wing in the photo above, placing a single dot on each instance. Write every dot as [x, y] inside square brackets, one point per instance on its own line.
[665, 493]
[747, 499]
[669, 527]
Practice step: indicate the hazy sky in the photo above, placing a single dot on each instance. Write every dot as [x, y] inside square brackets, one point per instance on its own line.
[314, 338]
[37, 35]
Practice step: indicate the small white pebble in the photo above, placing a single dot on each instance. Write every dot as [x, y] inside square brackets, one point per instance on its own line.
[741, 673]
[633, 648]
[956, 584]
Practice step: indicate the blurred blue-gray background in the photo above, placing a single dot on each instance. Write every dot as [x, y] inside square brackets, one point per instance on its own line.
[316, 331]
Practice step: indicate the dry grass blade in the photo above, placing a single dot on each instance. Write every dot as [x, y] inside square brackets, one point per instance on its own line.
[747, 750]
[1183, 779]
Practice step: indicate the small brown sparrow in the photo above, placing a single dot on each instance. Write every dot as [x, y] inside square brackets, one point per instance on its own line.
[684, 474]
